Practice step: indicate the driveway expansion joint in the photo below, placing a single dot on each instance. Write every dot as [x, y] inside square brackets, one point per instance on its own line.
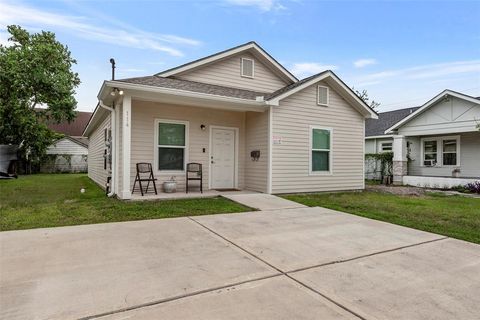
[191, 294]
[279, 273]
[287, 273]
[367, 255]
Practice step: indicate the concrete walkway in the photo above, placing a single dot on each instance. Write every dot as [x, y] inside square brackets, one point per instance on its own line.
[302, 263]
[262, 201]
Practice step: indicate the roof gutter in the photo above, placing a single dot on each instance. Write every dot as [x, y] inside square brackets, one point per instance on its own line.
[182, 93]
[112, 146]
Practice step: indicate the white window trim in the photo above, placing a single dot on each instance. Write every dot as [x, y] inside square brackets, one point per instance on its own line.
[391, 147]
[328, 96]
[156, 146]
[440, 151]
[253, 68]
[330, 153]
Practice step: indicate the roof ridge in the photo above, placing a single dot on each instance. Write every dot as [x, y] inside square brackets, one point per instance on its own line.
[277, 64]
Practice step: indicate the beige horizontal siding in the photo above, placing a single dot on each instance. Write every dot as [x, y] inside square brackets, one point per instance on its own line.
[256, 172]
[227, 73]
[96, 148]
[292, 121]
[142, 137]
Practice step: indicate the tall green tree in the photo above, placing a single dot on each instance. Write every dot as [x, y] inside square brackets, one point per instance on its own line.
[35, 71]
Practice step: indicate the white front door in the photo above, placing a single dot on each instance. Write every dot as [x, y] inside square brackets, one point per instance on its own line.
[222, 159]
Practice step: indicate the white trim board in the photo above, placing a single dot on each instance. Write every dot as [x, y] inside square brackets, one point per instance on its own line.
[342, 89]
[285, 74]
[429, 104]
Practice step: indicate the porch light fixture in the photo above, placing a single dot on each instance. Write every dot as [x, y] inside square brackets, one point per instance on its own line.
[202, 127]
[116, 91]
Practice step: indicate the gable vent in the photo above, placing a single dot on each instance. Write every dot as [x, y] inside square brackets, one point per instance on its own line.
[322, 95]
[247, 66]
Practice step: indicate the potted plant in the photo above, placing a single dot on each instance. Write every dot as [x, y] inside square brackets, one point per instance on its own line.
[170, 186]
[456, 172]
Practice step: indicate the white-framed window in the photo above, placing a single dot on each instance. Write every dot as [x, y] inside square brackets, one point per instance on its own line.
[323, 95]
[386, 146]
[171, 145]
[441, 151]
[247, 68]
[430, 152]
[320, 150]
[449, 152]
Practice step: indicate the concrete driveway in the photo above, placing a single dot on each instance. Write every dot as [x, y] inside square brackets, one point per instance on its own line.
[301, 263]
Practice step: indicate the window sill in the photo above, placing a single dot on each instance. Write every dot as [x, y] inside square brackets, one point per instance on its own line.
[320, 173]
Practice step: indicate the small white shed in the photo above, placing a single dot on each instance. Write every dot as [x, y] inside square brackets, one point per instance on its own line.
[67, 154]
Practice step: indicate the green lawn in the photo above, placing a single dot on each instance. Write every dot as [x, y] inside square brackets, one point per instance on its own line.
[51, 200]
[453, 216]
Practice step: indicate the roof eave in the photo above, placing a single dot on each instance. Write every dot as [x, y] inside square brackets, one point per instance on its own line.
[178, 92]
[428, 104]
[285, 74]
[359, 104]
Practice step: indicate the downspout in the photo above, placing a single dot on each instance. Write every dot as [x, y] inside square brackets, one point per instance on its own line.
[112, 146]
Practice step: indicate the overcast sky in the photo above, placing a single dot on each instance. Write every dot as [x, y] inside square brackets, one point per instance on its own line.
[402, 52]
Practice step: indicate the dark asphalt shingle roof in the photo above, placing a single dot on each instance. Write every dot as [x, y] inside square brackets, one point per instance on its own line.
[192, 86]
[74, 128]
[377, 127]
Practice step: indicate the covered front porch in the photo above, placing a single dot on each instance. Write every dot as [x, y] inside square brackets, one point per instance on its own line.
[227, 138]
[440, 160]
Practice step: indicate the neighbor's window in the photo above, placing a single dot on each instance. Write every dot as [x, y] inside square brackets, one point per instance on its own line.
[322, 95]
[430, 152]
[449, 152]
[386, 146]
[247, 66]
[171, 144]
[321, 142]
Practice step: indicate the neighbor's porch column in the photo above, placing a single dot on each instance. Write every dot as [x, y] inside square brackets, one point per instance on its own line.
[126, 143]
[399, 159]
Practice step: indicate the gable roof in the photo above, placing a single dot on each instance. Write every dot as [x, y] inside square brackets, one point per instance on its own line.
[377, 127]
[192, 86]
[249, 46]
[429, 104]
[80, 141]
[74, 128]
[334, 81]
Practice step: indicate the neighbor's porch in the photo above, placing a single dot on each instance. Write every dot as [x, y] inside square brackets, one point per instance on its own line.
[440, 160]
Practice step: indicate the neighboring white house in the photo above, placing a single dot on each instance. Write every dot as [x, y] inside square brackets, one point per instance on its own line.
[435, 145]
[68, 154]
[242, 115]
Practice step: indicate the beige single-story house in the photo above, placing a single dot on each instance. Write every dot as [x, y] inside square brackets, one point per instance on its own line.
[434, 145]
[249, 122]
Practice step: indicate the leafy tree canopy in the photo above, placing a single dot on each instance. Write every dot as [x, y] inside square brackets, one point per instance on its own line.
[35, 71]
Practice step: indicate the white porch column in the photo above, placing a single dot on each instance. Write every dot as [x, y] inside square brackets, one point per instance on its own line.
[399, 159]
[126, 143]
